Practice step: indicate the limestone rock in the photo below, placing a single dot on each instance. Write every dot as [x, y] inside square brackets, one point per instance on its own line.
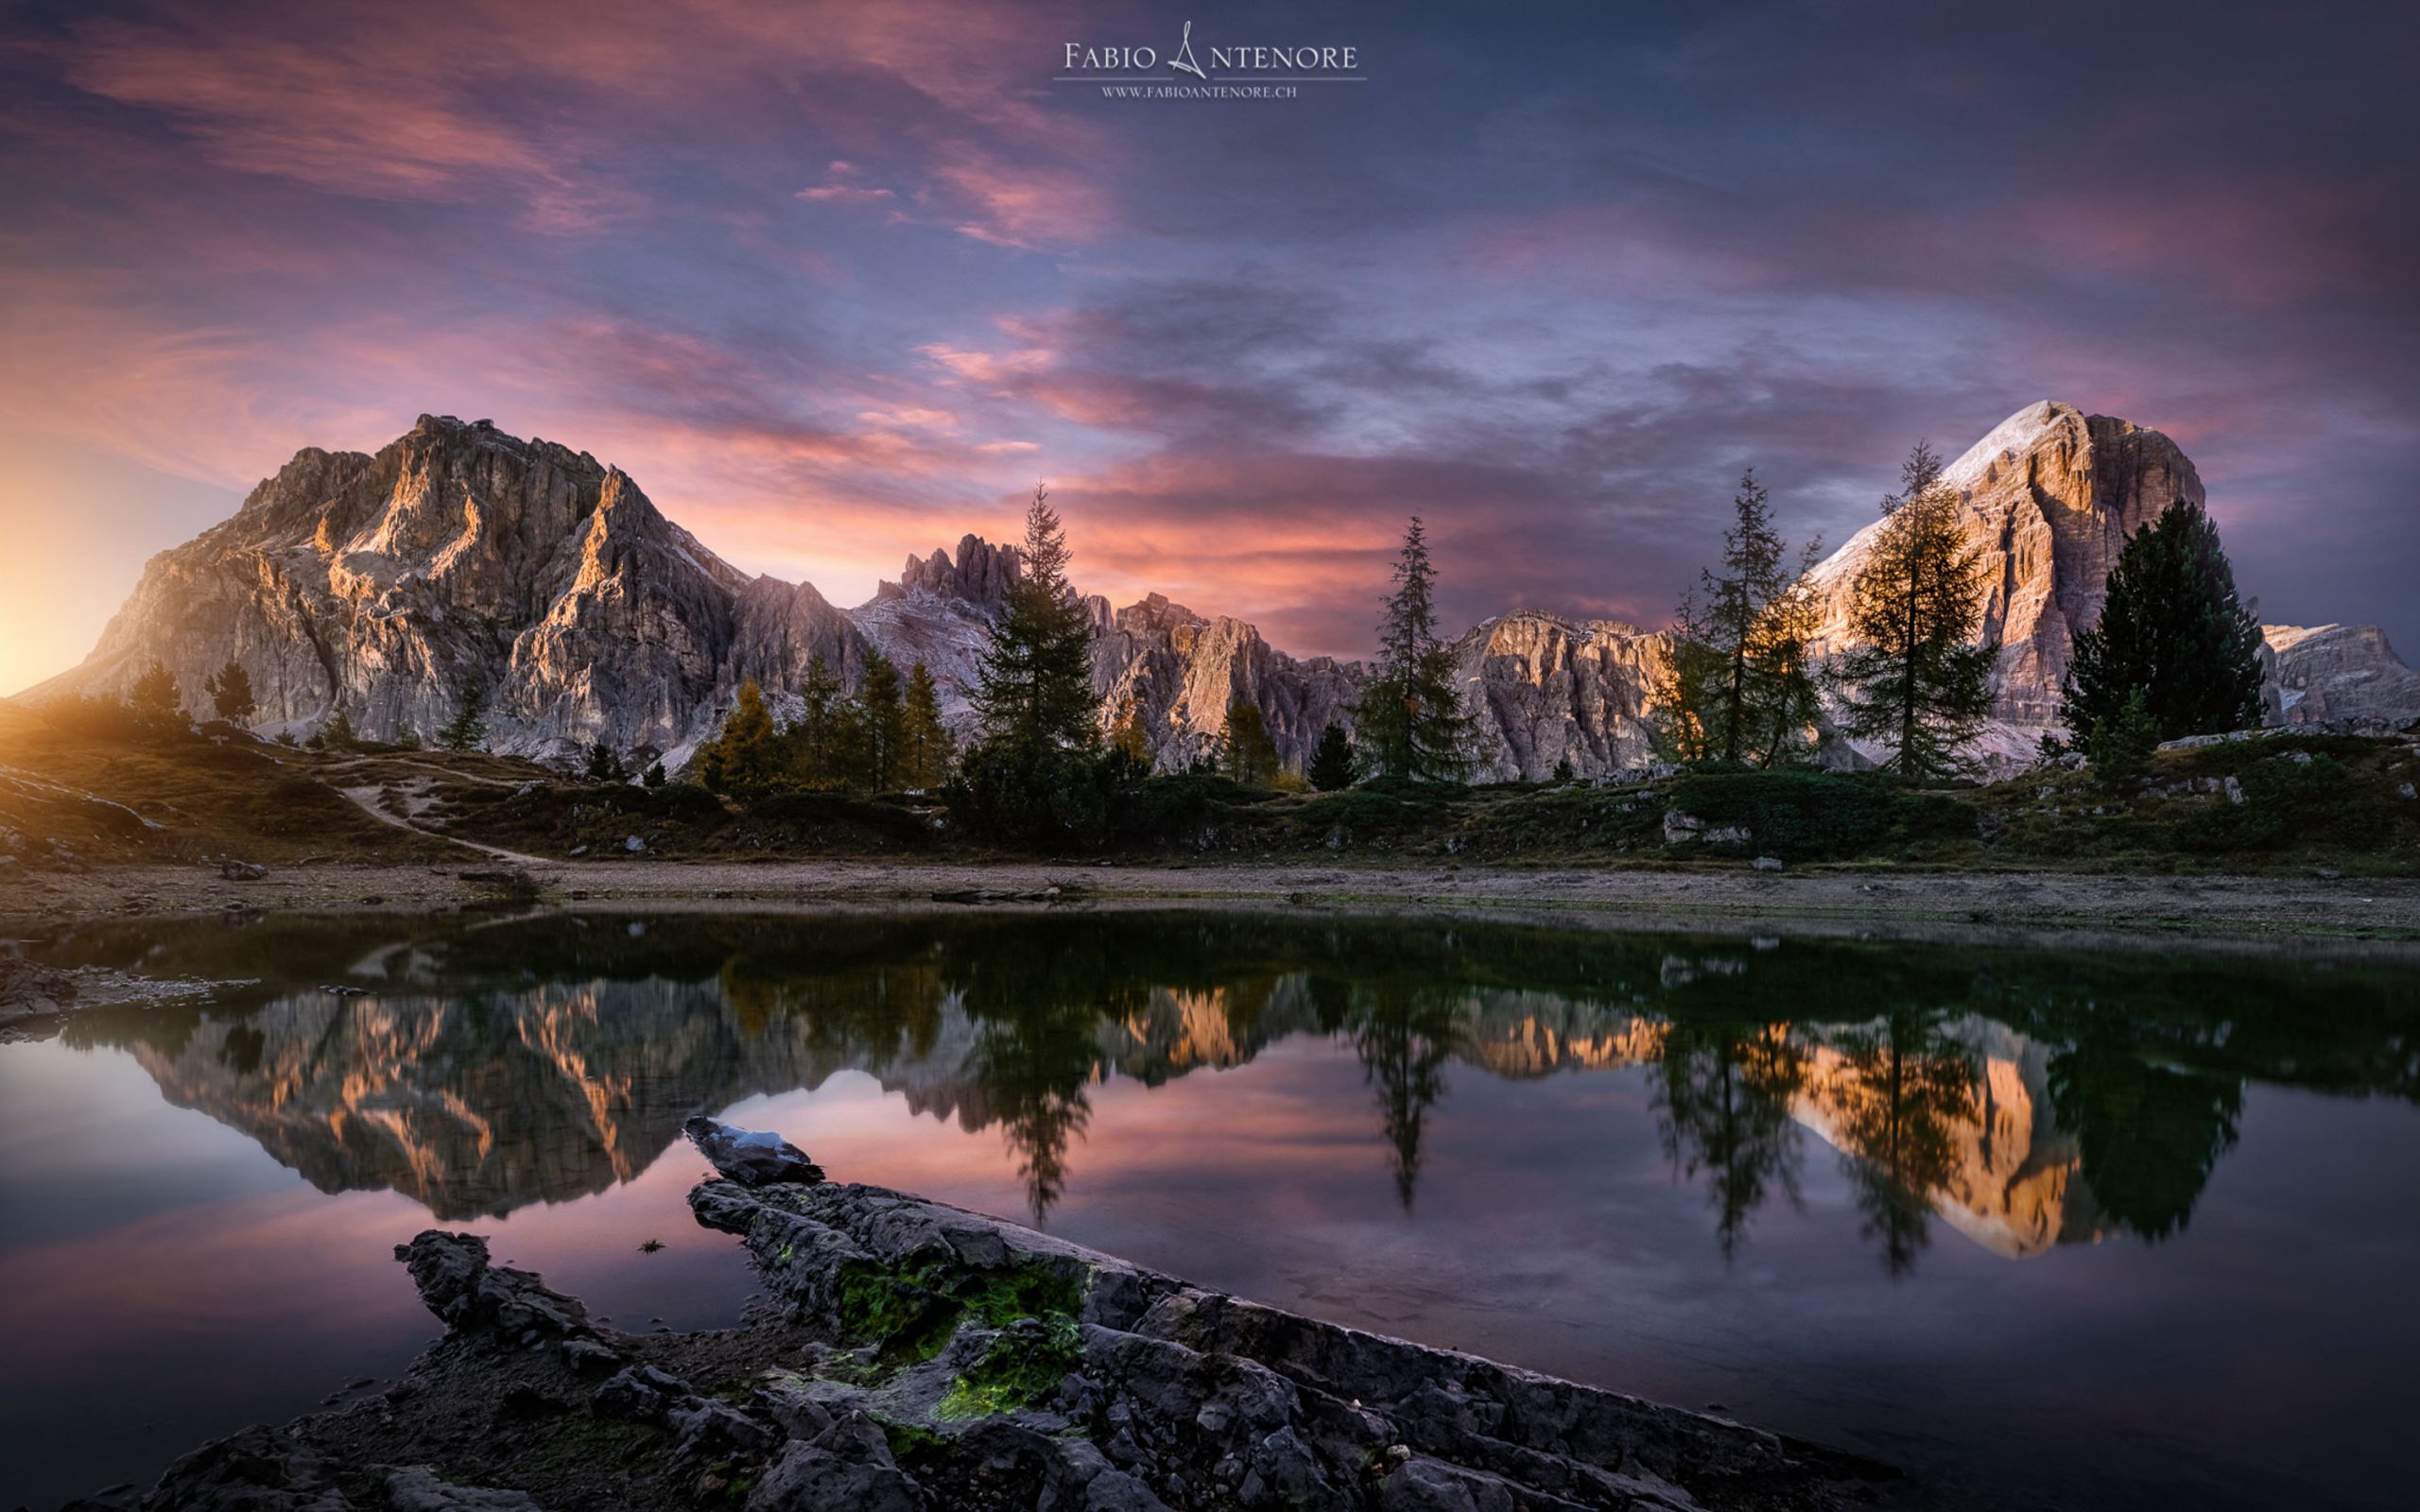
[2049, 497]
[1123, 1387]
[1547, 690]
[29, 991]
[753, 1158]
[1179, 673]
[457, 553]
[418, 1489]
[2332, 673]
[470, 1296]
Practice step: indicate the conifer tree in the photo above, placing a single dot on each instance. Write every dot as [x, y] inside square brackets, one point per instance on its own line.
[1038, 778]
[605, 764]
[2172, 631]
[881, 720]
[1786, 658]
[2121, 745]
[746, 753]
[231, 693]
[1332, 761]
[337, 731]
[924, 743]
[818, 747]
[1410, 714]
[1247, 755]
[1035, 691]
[1736, 686]
[469, 726]
[157, 706]
[1129, 738]
[1913, 679]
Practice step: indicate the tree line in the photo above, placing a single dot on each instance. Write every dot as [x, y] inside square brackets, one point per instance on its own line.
[887, 736]
[1744, 685]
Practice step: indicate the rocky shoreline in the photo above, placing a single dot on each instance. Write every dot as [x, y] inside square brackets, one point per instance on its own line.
[914, 1357]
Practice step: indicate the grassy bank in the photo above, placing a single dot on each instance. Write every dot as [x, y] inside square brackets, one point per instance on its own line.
[2278, 805]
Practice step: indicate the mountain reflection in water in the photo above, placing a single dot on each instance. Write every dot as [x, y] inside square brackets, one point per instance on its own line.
[2024, 1100]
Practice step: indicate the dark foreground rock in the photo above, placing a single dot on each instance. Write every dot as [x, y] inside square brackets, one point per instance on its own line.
[913, 1357]
[753, 1158]
[31, 992]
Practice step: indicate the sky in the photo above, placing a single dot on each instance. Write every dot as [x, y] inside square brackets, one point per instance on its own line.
[840, 283]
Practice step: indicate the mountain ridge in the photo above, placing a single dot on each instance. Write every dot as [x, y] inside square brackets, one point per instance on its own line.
[387, 583]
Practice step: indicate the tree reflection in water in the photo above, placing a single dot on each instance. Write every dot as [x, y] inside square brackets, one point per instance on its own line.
[1723, 1098]
[1902, 1092]
[2150, 1135]
[1405, 1035]
[2028, 1097]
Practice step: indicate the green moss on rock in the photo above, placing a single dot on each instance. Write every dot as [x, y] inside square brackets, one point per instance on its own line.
[1024, 1365]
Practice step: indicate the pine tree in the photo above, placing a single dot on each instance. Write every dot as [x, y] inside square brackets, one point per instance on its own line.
[1247, 755]
[231, 693]
[605, 764]
[469, 726]
[1786, 660]
[155, 703]
[881, 720]
[1036, 692]
[2171, 631]
[2121, 745]
[337, 731]
[1913, 678]
[1737, 685]
[818, 748]
[925, 744]
[1410, 714]
[655, 776]
[746, 753]
[1332, 761]
[1129, 737]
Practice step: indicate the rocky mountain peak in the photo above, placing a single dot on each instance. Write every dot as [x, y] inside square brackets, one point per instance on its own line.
[2050, 496]
[981, 574]
[457, 553]
[1153, 615]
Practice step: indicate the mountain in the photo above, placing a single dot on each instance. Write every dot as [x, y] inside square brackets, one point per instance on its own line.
[2049, 499]
[2335, 672]
[460, 555]
[383, 583]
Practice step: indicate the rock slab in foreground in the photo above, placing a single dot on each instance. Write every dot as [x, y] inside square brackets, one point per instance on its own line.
[753, 1158]
[913, 1357]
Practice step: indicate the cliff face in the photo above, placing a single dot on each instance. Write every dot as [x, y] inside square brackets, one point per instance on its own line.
[2049, 499]
[2325, 673]
[1549, 690]
[384, 583]
[1178, 674]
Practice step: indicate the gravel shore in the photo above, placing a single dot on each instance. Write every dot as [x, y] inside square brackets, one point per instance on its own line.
[1983, 906]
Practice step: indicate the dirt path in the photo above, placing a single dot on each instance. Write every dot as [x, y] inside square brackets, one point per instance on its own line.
[371, 800]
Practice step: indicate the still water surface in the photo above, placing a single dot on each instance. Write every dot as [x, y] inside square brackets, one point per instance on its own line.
[2046, 1229]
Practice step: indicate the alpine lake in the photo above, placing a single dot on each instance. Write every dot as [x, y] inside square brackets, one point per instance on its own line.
[2044, 1227]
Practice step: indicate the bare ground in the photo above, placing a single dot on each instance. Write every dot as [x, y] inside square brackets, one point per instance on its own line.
[1981, 906]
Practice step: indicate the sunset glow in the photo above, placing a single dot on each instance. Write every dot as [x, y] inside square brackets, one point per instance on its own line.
[835, 284]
